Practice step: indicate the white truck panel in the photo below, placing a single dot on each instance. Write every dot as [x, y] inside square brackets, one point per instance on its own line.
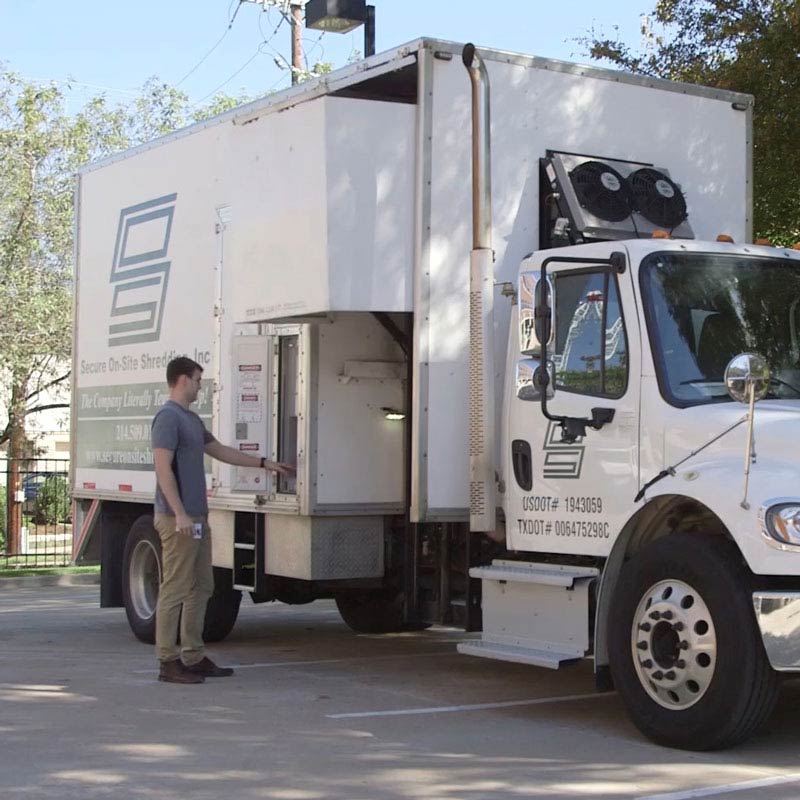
[324, 209]
[353, 435]
[145, 289]
[703, 141]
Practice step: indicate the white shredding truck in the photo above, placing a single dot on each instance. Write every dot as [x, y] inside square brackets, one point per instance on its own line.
[515, 357]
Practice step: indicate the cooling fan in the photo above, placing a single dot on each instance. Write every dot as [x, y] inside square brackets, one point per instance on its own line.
[602, 191]
[657, 198]
[592, 198]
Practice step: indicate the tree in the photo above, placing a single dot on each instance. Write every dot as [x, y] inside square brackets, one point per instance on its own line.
[42, 148]
[743, 45]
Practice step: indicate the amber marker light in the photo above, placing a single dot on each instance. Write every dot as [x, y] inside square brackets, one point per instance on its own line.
[724, 237]
[764, 242]
[659, 235]
[796, 246]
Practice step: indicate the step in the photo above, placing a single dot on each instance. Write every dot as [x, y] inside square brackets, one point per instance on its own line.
[524, 572]
[549, 659]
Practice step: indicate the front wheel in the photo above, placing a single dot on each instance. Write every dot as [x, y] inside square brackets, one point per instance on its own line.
[685, 651]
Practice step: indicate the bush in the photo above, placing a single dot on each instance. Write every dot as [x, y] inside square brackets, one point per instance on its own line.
[52, 501]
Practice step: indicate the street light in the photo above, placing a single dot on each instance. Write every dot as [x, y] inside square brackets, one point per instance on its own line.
[341, 16]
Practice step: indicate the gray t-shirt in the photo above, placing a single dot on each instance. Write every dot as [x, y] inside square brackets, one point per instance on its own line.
[177, 429]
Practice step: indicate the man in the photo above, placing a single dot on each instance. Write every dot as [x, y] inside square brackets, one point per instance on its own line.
[180, 441]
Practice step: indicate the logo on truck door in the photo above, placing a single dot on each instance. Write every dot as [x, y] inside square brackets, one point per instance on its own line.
[140, 271]
[561, 460]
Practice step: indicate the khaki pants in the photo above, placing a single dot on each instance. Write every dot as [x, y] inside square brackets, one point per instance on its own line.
[187, 583]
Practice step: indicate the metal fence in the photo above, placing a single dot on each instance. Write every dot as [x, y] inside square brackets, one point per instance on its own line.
[35, 513]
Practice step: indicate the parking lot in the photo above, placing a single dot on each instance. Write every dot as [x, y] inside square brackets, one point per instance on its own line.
[316, 712]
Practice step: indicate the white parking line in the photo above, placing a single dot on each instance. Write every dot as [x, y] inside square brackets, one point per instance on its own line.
[710, 791]
[269, 664]
[539, 701]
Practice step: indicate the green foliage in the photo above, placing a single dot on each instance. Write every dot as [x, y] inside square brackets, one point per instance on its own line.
[42, 148]
[743, 45]
[52, 503]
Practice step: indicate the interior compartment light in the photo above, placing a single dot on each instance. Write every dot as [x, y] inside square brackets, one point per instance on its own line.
[392, 413]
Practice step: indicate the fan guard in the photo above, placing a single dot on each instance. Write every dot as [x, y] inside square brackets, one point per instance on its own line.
[657, 198]
[602, 191]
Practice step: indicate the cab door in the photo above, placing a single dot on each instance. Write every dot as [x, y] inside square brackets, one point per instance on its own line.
[573, 496]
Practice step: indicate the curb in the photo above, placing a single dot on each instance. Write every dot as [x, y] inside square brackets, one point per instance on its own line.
[36, 581]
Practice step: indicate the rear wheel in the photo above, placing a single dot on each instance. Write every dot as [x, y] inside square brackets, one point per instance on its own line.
[141, 579]
[375, 611]
[685, 650]
[223, 607]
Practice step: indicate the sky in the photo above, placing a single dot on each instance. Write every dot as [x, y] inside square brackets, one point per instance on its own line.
[113, 47]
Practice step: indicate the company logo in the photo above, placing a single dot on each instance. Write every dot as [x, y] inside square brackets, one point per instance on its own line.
[140, 271]
[561, 460]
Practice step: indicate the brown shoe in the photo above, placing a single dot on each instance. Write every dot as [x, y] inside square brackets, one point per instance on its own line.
[208, 669]
[174, 672]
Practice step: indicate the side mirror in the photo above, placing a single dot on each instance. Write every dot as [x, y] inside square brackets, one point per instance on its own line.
[528, 379]
[536, 314]
[745, 370]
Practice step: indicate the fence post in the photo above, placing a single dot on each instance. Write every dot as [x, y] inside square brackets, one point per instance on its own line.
[13, 509]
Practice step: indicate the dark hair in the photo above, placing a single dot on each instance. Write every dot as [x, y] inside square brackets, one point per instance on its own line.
[182, 365]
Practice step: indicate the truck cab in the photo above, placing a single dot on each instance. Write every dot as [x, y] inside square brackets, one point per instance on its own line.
[627, 471]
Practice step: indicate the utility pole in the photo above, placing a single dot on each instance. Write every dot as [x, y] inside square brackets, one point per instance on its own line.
[292, 10]
[296, 10]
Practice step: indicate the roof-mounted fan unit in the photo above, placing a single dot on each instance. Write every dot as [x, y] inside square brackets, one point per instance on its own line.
[657, 198]
[609, 199]
[601, 190]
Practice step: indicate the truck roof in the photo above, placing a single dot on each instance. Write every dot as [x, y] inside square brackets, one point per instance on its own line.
[402, 57]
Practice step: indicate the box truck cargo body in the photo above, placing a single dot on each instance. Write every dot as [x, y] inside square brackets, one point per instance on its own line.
[379, 276]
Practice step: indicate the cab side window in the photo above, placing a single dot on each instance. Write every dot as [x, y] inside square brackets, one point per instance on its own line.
[591, 351]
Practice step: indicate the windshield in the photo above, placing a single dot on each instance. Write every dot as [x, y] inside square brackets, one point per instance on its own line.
[704, 309]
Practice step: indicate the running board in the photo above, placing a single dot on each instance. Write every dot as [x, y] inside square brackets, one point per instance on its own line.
[533, 613]
[519, 655]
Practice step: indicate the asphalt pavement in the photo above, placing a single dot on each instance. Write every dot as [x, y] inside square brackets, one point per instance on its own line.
[316, 712]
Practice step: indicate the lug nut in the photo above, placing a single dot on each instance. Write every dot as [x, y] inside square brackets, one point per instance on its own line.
[680, 663]
[645, 626]
[647, 663]
[670, 676]
[658, 675]
[667, 615]
[655, 615]
[642, 645]
[677, 626]
[684, 645]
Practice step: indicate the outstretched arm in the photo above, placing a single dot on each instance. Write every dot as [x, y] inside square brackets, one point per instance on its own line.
[230, 455]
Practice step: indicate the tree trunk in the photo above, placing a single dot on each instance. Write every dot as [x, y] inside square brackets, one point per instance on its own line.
[16, 452]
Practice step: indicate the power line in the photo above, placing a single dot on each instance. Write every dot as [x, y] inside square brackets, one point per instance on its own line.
[259, 51]
[216, 44]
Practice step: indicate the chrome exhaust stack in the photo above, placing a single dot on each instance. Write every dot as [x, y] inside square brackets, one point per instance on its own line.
[481, 307]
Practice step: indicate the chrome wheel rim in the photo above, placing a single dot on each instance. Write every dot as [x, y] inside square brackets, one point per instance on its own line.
[145, 579]
[674, 644]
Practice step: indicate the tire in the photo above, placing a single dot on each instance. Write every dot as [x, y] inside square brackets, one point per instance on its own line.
[685, 651]
[375, 611]
[223, 607]
[141, 579]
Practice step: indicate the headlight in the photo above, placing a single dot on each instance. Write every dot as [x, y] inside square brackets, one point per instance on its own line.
[781, 521]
